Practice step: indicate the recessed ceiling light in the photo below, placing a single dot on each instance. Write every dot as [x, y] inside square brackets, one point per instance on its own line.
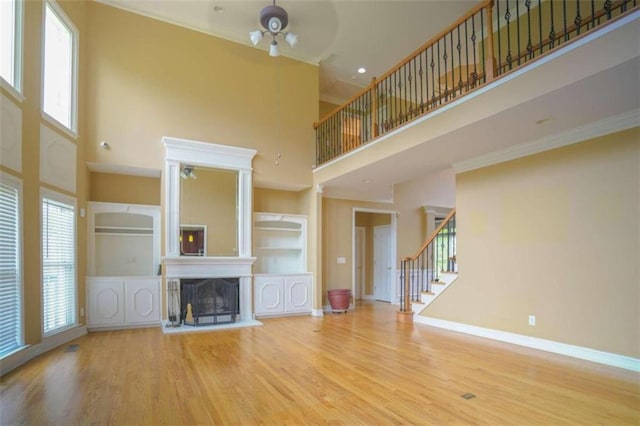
[362, 70]
[218, 9]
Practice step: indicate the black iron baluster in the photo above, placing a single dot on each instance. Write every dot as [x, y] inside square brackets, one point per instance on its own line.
[473, 40]
[433, 81]
[446, 72]
[507, 19]
[422, 83]
[459, 47]
[527, 3]
[466, 51]
[564, 19]
[498, 54]
[578, 19]
[541, 38]
[415, 87]
[453, 69]
[403, 82]
[593, 15]
[552, 31]
[518, 48]
[608, 6]
[439, 80]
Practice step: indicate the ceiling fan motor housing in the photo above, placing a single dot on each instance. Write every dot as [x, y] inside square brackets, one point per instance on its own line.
[274, 18]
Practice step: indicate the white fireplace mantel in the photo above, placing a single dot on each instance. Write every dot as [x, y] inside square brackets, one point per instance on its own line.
[177, 267]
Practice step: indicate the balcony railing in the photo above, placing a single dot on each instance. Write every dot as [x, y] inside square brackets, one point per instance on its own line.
[490, 40]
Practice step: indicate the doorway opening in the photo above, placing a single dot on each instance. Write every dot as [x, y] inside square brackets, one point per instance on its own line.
[374, 254]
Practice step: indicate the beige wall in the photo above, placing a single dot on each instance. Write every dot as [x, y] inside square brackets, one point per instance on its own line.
[112, 188]
[151, 79]
[277, 201]
[326, 108]
[554, 235]
[30, 175]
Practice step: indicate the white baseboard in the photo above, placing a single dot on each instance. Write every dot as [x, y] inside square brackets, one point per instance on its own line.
[588, 354]
[15, 360]
[317, 312]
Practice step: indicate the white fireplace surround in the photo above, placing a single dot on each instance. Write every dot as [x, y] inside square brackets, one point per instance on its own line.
[182, 151]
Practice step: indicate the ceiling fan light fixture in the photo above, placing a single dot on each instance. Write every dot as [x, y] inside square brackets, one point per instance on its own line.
[255, 37]
[273, 49]
[292, 39]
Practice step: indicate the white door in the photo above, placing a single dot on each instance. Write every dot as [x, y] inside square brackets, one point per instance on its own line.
[382, 263]
[360, 256]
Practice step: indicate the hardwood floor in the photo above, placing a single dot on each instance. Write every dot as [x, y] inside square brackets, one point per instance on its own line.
[357, 368]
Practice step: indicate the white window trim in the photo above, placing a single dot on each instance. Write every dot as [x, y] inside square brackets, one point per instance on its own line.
[15, 89]
[17, 183]
[62, 198]
[71, 131]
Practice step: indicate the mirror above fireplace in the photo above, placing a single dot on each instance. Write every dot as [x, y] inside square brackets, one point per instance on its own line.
[202, 179]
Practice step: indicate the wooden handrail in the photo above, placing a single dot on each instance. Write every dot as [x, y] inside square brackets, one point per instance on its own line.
[432, 236]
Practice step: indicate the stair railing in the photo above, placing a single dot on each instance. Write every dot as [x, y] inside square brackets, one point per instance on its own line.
[437, 255]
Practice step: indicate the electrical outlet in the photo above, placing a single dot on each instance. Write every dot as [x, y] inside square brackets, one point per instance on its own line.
[532, 320]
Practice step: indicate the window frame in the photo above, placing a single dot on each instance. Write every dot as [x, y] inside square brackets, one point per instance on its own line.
[15, 87]
[72, 129]
[16, 183]
[49, 194]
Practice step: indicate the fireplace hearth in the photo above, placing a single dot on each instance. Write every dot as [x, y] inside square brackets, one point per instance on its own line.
[209, 301]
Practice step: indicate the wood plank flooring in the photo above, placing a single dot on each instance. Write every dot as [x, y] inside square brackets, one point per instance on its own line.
[356, 368]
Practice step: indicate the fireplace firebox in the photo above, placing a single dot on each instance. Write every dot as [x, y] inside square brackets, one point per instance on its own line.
[209, 301]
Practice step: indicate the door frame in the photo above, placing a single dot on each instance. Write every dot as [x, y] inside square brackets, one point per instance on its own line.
[360, 253]
[393, 249]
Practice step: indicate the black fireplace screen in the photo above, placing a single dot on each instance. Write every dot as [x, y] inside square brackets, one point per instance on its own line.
[209, 301]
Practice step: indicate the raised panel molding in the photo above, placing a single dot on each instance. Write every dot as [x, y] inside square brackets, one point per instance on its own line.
[108, 303]
[143, 302]
[10, 134]
[57, 160]
[298, 294]
[266, 295]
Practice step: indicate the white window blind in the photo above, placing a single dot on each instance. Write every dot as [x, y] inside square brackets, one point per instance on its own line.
[58, 265]
[10, 273]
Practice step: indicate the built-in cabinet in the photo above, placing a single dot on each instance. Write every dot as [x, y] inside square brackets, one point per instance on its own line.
[282, 285]
[118, 302]
[123, 286]
[282, 294]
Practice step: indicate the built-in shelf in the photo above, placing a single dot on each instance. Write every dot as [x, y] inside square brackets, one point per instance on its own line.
[282, 284]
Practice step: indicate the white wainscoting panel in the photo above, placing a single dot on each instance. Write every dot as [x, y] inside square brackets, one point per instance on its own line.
[10, 134]
[57, 159]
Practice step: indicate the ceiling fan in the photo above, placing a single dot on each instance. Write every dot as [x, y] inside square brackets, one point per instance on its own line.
[275, 20]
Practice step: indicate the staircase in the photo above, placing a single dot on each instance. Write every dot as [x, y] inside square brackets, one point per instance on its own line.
[430, 271]
[436, 289]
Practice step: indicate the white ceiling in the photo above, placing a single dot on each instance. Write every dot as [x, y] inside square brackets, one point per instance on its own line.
[338, 35]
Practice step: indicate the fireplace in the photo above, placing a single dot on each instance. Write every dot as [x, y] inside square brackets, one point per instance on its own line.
[209, 301]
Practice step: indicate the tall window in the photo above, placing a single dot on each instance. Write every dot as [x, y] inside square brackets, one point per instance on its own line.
[58, 262]
[10, 265]
[11, 41]
[60, 65]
